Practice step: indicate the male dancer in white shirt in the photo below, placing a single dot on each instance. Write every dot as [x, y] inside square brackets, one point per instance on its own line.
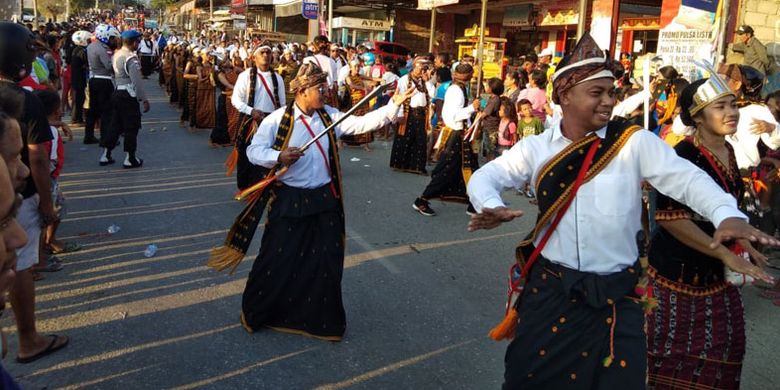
[258, 91]
[295, 282]
[578, 323]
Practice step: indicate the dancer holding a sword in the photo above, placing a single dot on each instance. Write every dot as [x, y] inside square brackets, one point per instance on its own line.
[295, 282]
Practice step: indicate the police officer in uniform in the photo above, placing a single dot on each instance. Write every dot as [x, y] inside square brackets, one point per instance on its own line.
[126, 116]
[100, 81]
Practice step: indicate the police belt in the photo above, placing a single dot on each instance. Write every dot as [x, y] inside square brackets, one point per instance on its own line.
[97, 76]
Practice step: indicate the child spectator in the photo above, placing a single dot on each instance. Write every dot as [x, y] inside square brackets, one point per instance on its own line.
[494, 87]
[52, 107]
[507, 128]
[529, 126]
[536, 94]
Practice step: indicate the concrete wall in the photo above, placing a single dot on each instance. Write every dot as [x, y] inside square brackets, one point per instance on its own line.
[762, 15]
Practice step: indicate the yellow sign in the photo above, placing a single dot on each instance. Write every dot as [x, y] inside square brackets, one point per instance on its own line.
[474, 31]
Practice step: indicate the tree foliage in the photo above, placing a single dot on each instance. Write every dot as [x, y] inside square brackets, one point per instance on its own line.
[52, 9]
[161, 4]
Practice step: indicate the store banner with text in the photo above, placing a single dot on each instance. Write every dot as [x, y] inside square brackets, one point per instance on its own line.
[238, 7]
[698, 14]
[679, 46]
[518, 16]
[310, 9]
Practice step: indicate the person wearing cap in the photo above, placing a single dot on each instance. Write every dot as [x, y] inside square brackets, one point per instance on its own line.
[457, 162]
[79, 67]
[321, 58]
[146, 51]
[685, 274]
[545, 57]
[128, 93]
[100, 85]
[258, 91]
[295, 282]
[338, 58]
[578, 322]
[410, 144]
[752, 49]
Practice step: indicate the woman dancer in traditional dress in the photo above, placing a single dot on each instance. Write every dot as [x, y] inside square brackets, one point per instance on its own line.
[357, 91]
[696, 335]
[206, 114]
[221, 136]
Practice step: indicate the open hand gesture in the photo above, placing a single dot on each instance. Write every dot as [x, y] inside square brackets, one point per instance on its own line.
[736, 228]
[491, 218]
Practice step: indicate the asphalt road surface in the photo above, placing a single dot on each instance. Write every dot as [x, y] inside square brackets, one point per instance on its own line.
[420, 292]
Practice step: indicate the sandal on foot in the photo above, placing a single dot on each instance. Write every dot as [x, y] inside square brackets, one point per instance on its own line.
[51, 348]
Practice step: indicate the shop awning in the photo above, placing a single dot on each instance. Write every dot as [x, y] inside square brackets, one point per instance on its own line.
[288, 8]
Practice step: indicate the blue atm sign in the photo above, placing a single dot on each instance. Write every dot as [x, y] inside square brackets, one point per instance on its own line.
[310, 9]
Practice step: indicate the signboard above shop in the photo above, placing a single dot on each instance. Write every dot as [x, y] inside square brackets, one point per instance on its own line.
[518, 16]
[361, 24]
[310, 9]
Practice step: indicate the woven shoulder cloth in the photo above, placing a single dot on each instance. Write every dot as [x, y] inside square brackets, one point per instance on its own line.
[241, 233]
[554, 182]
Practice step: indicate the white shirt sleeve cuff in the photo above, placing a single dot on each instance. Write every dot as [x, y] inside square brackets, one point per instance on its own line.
[490, 203]
[724, 212]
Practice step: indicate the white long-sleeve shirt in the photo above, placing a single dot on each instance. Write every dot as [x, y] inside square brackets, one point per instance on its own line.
[745, 143]
[598, 232]
[452, 112]
[263, 101]
[418, 99]
[327, 64]
[311, 171]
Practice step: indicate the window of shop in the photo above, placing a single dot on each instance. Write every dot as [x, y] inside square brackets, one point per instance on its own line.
[645, 42]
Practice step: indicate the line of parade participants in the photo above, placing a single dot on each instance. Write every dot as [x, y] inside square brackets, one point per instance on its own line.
[599, 297]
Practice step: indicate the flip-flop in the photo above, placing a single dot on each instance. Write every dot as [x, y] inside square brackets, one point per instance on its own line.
[51, 348]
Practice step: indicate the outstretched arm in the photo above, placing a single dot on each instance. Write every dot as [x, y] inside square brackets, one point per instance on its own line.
[691, 235]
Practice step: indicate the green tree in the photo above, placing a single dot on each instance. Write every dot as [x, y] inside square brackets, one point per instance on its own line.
[51, 9]
[161, 4]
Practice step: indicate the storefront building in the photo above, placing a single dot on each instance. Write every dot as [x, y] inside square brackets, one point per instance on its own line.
[354, 31]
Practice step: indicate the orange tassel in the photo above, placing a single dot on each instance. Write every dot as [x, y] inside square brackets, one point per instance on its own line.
[506, 329]
[231, 162]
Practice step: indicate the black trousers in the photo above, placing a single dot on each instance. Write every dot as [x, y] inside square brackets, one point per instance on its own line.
[100, 91]
[79, 95]
[126, 118]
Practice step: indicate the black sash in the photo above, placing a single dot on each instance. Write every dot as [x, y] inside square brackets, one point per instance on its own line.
[240, 236]
[556, 178]
[246, 172]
